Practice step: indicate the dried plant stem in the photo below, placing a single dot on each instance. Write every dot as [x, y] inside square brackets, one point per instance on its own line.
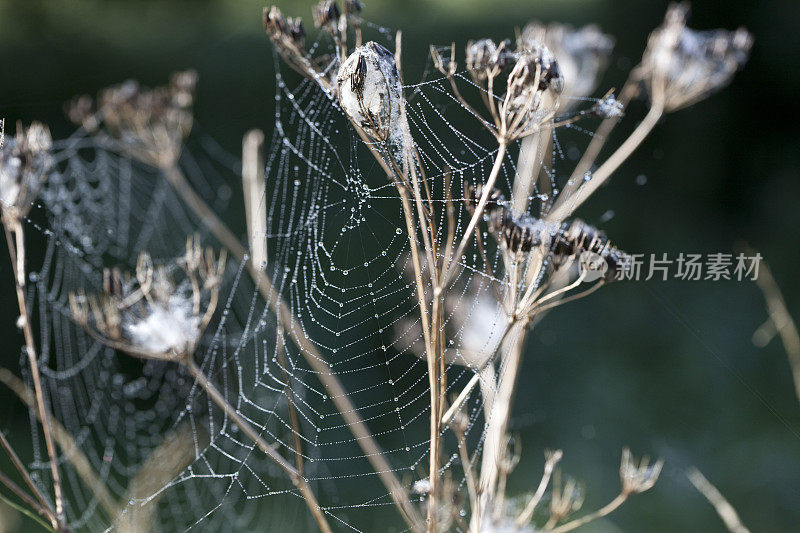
[781, 322]
[72, 451]
[310, 352]
[42, 507]
[22, 495]
[460, 399]
[602, 174]
[550, 463]
[476, 216]
[293, 418]
[254, 195]
[531, 152]
[724, 509]
[15, 238]
[599, 138]
[607, 509]
[298, 480]
[434, 380]
[499, 412]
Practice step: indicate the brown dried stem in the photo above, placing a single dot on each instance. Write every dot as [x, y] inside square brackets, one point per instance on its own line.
[15, 238]
[72, 452]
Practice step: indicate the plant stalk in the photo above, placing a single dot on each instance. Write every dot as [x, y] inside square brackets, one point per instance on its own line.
[15, 238]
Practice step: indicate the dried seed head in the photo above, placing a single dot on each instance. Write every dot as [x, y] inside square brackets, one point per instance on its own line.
[582, 55]
[150, 124]
[25, 160]
[538, 69]
[274, 22]
[326, 14]
[371, 92]
[637, 478]
[284, 31]
[517, 234]
[565, 499]
[534, 87]
[484, 58]
[296, 31]
[353, 7]
[682, 66]
[152, 315]
[577, 238]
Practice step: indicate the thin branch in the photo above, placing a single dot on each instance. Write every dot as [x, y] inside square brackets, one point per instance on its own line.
[781, 321]
[15, 460]
[600, 513]
[602, 174]
[30, 502]
[72, 452]
[550, 463]
[724, 509]
[16, 249]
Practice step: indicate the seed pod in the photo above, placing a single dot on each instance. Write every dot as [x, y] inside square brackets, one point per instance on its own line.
[538, 70]
[24, 162]
[326, 14]
[534, 86]
[274, 22]
[683, 66]
[484, 58]
[578, 237]
[296, 31]
[517, 234]
[370, 91]
[582, 55]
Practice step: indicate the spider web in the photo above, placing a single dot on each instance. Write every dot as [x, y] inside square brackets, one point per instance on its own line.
[338, 254]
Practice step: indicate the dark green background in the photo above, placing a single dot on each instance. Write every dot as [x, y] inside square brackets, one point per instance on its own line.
[665, 367]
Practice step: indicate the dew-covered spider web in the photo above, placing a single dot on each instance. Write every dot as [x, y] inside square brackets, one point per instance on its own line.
[152, 445]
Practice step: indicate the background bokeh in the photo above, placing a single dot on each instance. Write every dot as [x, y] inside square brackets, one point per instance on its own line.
[665, 367]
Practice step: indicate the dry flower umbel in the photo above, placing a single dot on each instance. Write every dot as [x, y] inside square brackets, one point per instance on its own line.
[151, 315]
[682, 66]
[25, 160]
[148, 124]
